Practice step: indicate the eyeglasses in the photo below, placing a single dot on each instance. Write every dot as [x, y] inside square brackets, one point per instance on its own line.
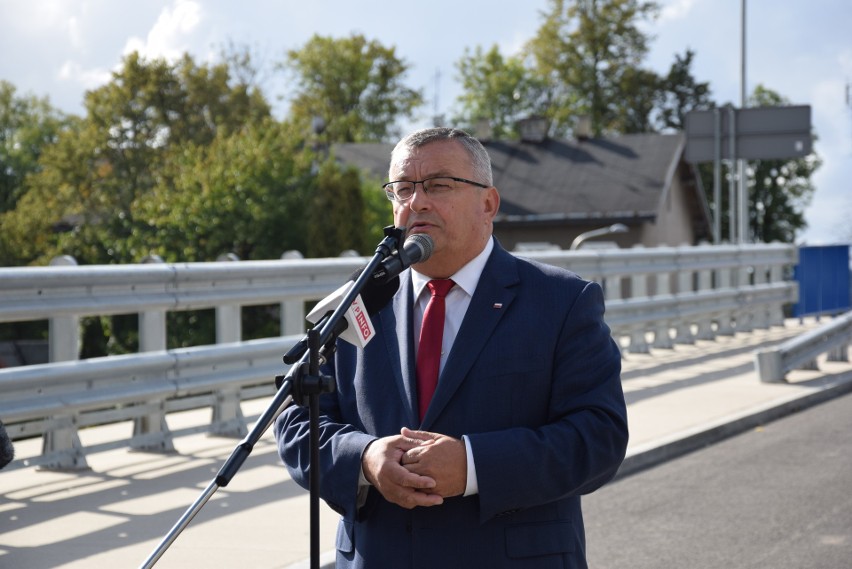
[402, 191]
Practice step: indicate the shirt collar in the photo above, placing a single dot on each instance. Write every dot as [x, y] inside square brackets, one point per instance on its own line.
[465, 278]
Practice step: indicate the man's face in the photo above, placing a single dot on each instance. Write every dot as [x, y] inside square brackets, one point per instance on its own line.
[459, 222]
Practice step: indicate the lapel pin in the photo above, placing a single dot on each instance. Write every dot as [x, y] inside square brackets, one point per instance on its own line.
[498, 305]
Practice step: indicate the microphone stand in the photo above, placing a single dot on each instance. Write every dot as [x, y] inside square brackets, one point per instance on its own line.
[301, 385]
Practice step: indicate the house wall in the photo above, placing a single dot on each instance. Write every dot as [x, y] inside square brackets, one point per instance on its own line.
[672, 226]
[561, 236]
[509, 237]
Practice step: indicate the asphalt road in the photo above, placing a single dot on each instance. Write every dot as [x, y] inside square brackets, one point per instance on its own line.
[779, 496]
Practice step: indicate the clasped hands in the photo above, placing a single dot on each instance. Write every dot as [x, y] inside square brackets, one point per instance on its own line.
[416, 468]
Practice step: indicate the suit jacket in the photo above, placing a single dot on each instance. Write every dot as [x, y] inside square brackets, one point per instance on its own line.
[533, 379]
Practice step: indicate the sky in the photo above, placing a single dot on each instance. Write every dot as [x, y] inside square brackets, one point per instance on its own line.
[803, 50]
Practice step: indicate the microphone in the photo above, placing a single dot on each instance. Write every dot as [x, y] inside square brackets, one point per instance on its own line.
[357, 328]
[417, 248]
[377, 292]
[374, 296]
[7, 451]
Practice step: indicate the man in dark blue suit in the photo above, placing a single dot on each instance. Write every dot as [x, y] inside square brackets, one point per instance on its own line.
[486, 469]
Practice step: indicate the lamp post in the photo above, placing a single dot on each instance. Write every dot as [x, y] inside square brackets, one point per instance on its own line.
[741, 163]
[614, 228]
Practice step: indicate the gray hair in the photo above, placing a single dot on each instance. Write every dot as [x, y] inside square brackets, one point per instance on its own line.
[478, 155]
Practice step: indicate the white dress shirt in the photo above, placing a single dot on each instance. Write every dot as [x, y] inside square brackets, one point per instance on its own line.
[457, 301]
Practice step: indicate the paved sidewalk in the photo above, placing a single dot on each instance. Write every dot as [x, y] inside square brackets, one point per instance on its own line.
[117, 512]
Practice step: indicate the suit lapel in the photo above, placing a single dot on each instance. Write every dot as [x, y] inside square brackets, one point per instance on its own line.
[493, 296]
[399, 343]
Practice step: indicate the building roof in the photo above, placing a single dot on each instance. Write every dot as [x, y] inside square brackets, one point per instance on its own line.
[621, 177]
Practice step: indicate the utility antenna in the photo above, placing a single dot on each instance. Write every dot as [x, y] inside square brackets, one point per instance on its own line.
[848, 95]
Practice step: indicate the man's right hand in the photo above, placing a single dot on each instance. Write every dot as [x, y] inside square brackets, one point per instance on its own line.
[383, 469]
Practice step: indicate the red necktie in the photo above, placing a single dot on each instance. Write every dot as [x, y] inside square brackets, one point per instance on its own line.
[431, 336]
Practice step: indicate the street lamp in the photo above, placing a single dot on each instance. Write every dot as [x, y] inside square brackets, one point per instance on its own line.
[614, 228]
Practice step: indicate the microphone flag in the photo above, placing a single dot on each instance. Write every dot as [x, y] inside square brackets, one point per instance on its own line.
[360, 329]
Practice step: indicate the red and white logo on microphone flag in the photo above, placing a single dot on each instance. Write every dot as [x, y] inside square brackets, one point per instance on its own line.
[360, 329]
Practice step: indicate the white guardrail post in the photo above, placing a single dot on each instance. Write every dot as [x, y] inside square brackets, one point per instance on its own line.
[228, 419]
[151, 431]
[292, 311]
[61, 439]
[685, 275]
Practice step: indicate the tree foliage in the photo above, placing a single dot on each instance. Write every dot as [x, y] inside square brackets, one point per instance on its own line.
[82, 199]
[185, 161]
[27, 125]
[244, 193]
[500, 90]
[339, 209]
[585, 60]
[590, 51]
[353, 86]
[680, 93]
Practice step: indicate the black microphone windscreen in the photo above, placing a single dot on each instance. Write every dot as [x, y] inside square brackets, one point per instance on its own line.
[376, 295]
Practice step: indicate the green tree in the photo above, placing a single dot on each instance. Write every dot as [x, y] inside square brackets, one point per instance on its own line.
[353, 86]
[378, 212]
[680, 93]
[590, 51]
[639, 90]
[27, 125]
[90, 179]
[779, 190]
[499, 90]
[54, 196]
[337, 212]
[244, 193]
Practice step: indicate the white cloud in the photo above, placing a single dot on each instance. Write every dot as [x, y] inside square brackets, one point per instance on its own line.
[39, 15]
[829, 109]
[514, 45]
[675, 10]
[169, 38]
[74, 33]
[829, 212]
[87, 78]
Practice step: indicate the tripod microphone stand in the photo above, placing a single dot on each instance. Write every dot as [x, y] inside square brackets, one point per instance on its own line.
[301, 385]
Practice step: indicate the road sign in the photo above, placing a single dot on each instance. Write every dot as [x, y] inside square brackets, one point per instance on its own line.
[761, 133]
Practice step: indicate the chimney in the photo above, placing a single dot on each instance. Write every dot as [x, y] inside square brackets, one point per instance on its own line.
[533, 129]
[483, 131]
[583, 127]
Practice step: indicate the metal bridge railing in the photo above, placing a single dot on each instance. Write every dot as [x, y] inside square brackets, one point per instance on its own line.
[655, 298]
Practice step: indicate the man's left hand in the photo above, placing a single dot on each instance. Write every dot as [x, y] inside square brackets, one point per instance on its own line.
[439, 457]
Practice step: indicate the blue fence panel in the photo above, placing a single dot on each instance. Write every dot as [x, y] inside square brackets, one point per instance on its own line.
[823, 277]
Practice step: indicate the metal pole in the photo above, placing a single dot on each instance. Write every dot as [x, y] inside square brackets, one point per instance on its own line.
[743, 58]
[581, 238]
[717, 177]
[732, 182]
[741, 165]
